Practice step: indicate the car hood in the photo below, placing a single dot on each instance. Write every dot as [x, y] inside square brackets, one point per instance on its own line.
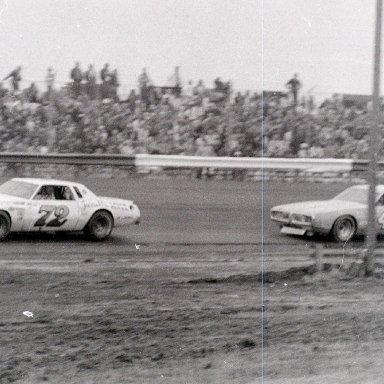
[315, 207]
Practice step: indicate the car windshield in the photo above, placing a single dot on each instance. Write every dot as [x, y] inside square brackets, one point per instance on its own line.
[356, 195]
[18, 189]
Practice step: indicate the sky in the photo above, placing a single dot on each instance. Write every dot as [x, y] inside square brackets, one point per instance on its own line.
[328, 42]
[206, 38]
[257, 44]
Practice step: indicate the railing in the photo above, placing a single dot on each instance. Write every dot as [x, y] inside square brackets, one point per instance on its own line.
[67, 158]
[319, 259]
[177, 161]
[286, 169]
[174, 161]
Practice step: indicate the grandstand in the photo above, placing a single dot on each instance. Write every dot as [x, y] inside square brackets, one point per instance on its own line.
[176, 120]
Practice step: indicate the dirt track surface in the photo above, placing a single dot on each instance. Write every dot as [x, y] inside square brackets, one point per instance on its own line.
[181, 308]
[324, 329]
[186, 307]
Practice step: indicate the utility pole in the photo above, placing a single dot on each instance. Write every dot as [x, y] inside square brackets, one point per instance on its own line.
[375, 140]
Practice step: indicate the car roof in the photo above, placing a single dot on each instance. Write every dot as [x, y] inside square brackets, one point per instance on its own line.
[41, 181]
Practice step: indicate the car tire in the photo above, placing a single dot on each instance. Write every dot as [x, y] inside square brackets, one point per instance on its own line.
[344, 228]
[99, 226]
[5, 225]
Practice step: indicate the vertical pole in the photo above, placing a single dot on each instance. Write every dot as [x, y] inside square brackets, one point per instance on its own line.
[374, 140]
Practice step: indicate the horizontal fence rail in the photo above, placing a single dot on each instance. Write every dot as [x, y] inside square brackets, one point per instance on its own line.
[312, 165]
[256, 163]
[176, 161]
[179, 161]
[362, 165]
[67, 159]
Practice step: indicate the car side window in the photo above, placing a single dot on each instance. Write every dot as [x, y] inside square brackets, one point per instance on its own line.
[381, 200]
[78, 193]
[54, 192]
[65, 193]
[46, 192]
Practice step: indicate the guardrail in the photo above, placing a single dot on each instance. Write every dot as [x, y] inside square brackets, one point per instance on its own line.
[243, 162]
[67, 159]
[362, 165]
[178, 161]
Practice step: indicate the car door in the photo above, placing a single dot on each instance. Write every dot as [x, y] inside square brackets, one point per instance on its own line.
[380, 213]
[56, 212]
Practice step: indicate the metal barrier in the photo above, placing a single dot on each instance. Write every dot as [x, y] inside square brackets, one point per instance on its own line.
[67, 159]
[362, 165]
[177, 161]
[256, 163]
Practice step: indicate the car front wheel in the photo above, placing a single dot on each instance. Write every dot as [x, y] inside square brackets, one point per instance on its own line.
[5, 225]
[99, 226]
[344, 229]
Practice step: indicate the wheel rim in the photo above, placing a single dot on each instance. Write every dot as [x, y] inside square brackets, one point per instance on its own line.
[101, 226]
[345, 229]
[3, 228]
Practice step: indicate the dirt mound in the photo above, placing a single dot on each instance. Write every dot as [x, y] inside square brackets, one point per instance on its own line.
[237, 279]
[294, 273]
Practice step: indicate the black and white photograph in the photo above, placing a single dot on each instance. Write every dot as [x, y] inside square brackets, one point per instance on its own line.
[134, 200]
[191, 191]
[320, 270]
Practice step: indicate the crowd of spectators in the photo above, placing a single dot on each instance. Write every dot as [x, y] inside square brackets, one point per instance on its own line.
[87, 116]
[190, 120]
[334, 129]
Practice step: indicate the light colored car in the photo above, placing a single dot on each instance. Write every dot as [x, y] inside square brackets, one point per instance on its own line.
[343, 217]
[33, 205]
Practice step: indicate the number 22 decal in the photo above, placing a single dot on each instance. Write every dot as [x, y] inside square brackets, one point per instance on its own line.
[60, 212]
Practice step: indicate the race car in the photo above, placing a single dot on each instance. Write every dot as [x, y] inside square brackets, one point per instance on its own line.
[45, 205]
[343, 217]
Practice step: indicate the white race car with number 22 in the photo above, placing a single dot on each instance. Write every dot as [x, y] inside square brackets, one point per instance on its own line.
[32, 205]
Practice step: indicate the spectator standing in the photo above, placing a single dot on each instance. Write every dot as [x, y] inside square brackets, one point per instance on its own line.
[294, 86]
[90, 77]
[175, 82]
[33, 94]
[114, 84]
[199, 89]
[105, 76]
[132, 100]
[144, 86]
[219, 85]
[50, 80]
[188, 91]
[15, 77]
[77, 77]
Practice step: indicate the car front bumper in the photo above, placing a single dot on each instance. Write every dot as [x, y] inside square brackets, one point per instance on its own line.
[291, 227]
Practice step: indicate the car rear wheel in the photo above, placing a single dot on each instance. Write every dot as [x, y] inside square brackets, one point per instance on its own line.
[99, 226]
[344, 229]
[5, 225]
